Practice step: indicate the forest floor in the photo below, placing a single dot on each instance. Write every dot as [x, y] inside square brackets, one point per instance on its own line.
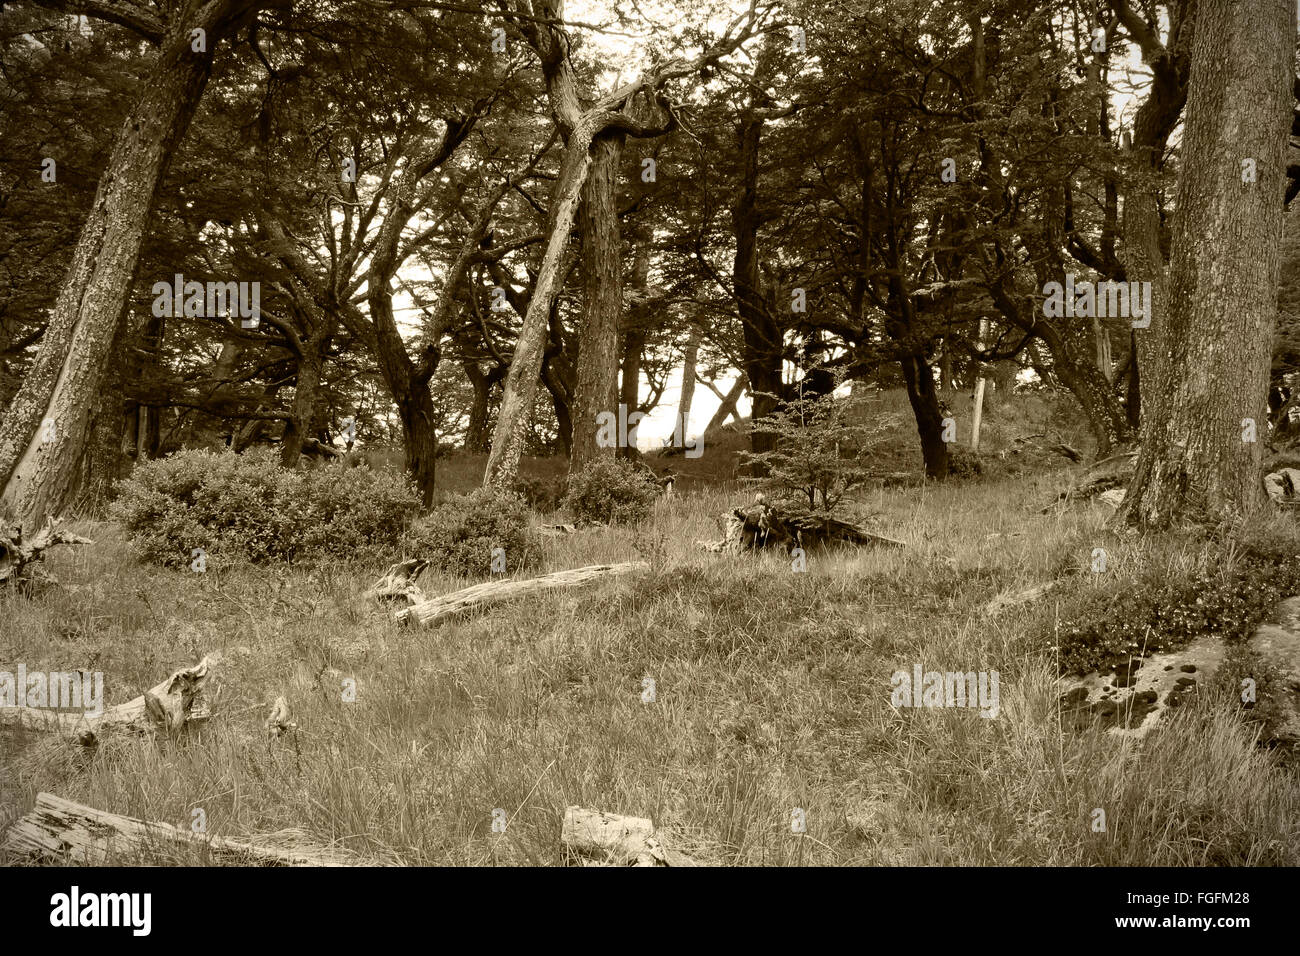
[772, 692]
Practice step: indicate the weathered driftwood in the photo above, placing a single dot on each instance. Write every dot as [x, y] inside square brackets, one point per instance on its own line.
[493, 592]
[280, 720]
[169, 705]
[764, 524]
[18, 554]
[608, 839]
[72, 833]
[398, 583]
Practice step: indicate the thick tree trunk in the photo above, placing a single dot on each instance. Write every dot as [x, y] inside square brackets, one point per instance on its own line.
[1217, 330]
[764, 337]
[603, 301]
[922, 395]
[476, 432]
[44, 430]
[303, 412]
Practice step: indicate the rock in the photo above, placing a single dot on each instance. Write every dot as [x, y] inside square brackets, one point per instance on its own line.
[1283, 485]
[1277, 644]
[597, 838]
[1145, 688]
[1114, 497]
[1149, 687]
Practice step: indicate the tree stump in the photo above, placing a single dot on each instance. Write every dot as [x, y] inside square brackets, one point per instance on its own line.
[20, 554]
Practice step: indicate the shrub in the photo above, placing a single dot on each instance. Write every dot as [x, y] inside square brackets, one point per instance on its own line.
[541, 494]
[460, 534]
[611, 491]
[246, 507]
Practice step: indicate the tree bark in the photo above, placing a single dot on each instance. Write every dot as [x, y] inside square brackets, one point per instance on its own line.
[44, 430]
[1217, 330]
[687, 396]
[603, 301]
[521, 381]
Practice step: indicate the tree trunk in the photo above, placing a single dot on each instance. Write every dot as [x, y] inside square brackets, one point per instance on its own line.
[687, 396]
[1217, 331]
[476, 433]
[918, 378]
[603, 300]
[44, 430]
[303, 411]
[728, 407]
[521, 382]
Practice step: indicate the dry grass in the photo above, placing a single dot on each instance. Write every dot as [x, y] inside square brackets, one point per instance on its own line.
[773, 692]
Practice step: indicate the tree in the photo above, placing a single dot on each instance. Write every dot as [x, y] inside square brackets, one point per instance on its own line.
[1206, 408]
[44, 431]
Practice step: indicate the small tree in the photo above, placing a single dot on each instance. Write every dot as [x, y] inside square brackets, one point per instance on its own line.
[822, 444]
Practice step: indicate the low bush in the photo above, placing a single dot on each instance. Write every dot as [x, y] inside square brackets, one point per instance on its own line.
[611, 491]
[1160, 612]
[460, 535]
[247, 507]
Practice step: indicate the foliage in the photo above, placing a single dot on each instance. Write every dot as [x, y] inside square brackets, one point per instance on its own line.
[541, 494]
[822, 446]
[611, 491]
[1162, 611]
[246, 507]
[459, 536]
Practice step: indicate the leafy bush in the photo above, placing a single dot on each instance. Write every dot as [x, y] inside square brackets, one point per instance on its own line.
[611, 491]
[458, 537]
[246, 507]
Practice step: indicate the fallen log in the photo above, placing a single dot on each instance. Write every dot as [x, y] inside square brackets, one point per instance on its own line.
[764, 524]
[72, 833]
[1105, 475]
[398, 583]
[168, 706]
[609, 839]
[18, 555]
[494, 592]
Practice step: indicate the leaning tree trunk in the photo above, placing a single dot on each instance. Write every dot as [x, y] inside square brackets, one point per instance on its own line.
[918, 377]
[521, 381]
[603, 300]
[1217, 331]
[44, 430]
[728, 408]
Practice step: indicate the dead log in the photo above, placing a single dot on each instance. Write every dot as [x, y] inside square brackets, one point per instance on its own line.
[1105, 475]
[609, 839]
[71, 833]
[170, 705]
[494, 592]
[765, 524]
[18, 555]
[398, 583]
